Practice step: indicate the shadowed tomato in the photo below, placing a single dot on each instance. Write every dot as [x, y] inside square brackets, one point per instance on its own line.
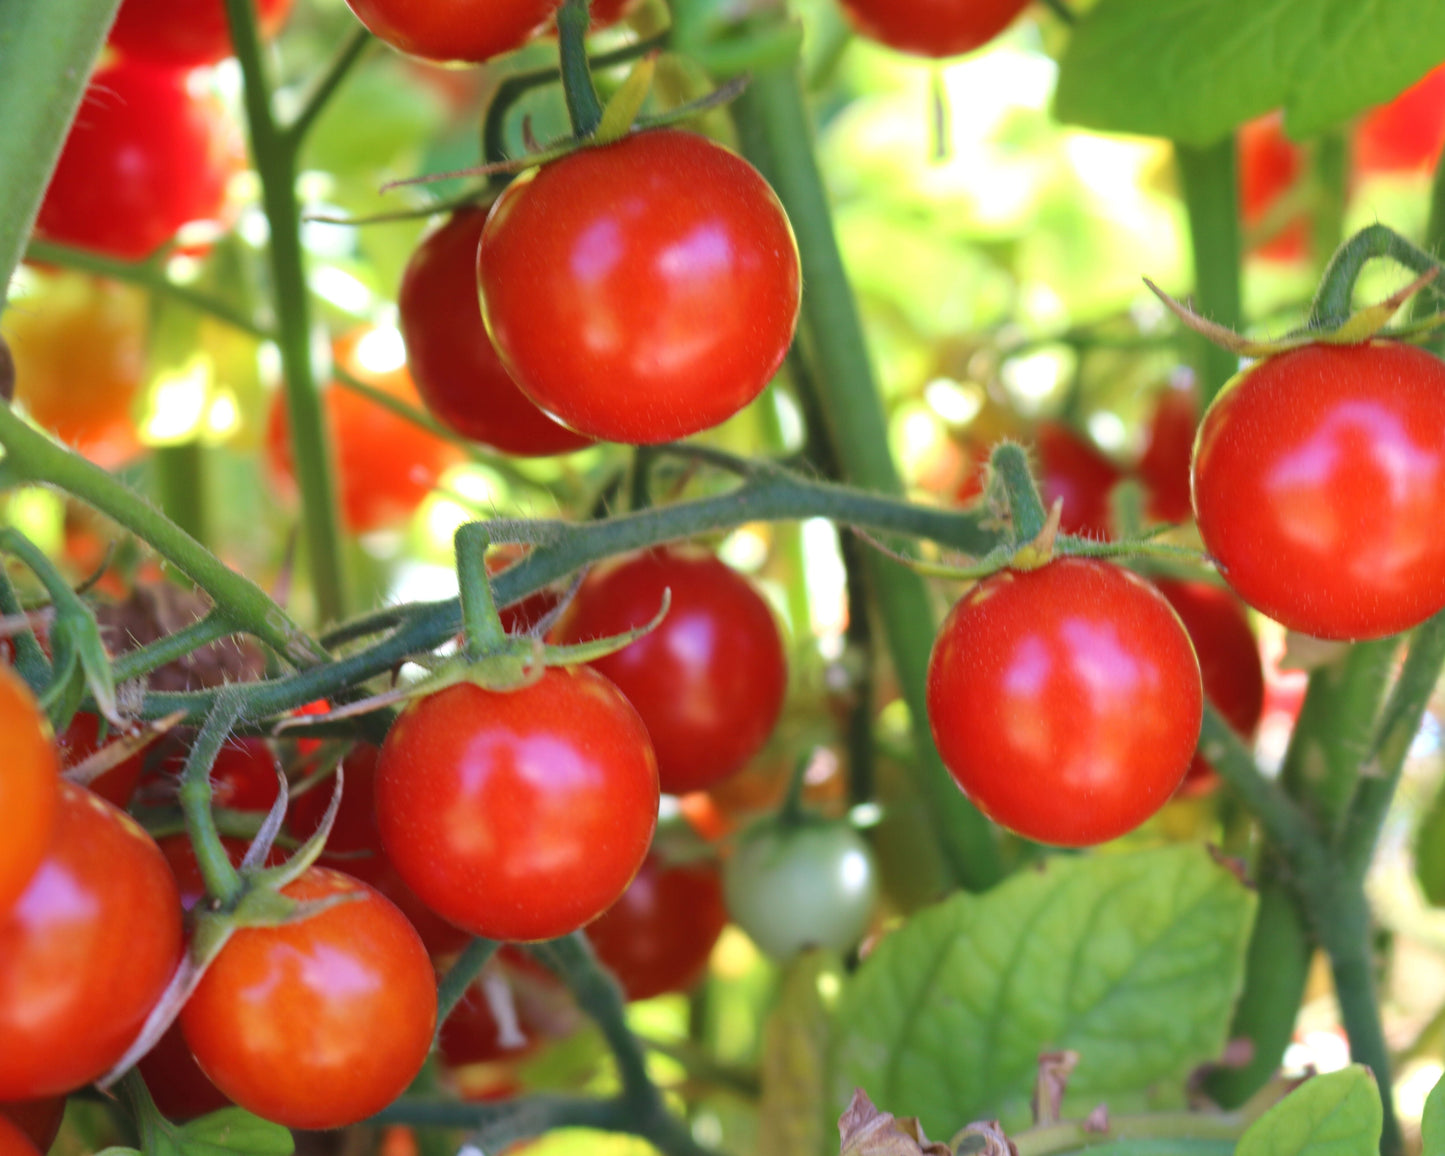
[932, 27]
[85, 951]
[243, 777]
[81, 740]
[472, 1035]
[185, 33]
[1164, 465]
[29, 789]
[14, 1141]
[175, 1081]
[1270, 165]
[709, 681]
[38, 1119]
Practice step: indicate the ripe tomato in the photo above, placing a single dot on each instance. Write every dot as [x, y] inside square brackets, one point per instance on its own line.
[457, 371]
[1164, 465]
[641, 291]
[658, 937]
[454, 30]
[80, 361]
[1270, 164]
[471, 1034]
[1065, 701]
[144, 158]
[606, 13]
[81, 740]
[1229, 661]
[13, 1141]
[175, 1081]
[29, 789]
[39, 1120]
[385, 464]
[1407, 134]
[320, 1023]
[794, 887]
[1319, 475]
[243, 777]
[85, 951]
[354, 846]
[932, 27]
[709, 681]
[519, 816]
[185, 33]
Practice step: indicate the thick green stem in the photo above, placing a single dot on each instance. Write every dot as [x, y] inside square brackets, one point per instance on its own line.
[274, 154]
[777, 135]
[222, 880]
[1010, 464]
[181, 482]
[574, 20]
[46, 53]
[480, 624]
[1332, 303]
[460, 975]
[1211, 199]
[173, 647]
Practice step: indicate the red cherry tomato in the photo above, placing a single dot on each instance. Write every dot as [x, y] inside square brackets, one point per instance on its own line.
[185, 33]
[1066, 701]
[143, 158]
[1270, 164]
[386, 465]
[243, 777]
[455, 30]
[354, 845]
[1407, 134]
[709, 681]
[658, 937]
[38, 1119]
[175, 1081]
[320, 1023]
[29, 789]
[1229, 661]
[1164, 466]
[1319, 476]
[520, 617]
[932, 27]
[641, 291]
[85, 952]
[519, 816]
[606, 13]
[81, 740]
[457, 371]
[471, 1034]
[13, 1140]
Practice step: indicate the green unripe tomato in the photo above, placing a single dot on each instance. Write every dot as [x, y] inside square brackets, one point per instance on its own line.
[807, 884]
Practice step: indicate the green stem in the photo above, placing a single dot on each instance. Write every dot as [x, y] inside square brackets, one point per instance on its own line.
[245, 605]
[325, 87]
[30, 658]
[274, 154]
[777, 135]
[181, 482]
[173, 647]
[1010, 464]
[222, 880]
[480, 624]
[584, 109]
[459, 977]
[1205, 1128]
[46, 54]
[1211, 198]
[1332, 303]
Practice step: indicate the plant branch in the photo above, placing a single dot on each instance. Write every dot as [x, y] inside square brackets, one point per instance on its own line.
[326, 85]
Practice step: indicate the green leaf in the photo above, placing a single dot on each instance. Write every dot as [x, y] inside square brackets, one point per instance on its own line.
[795, 1116]
[1334, 1115]
[1192, 70]
[233, 1130]
[1432, 1124]
[1132, 960]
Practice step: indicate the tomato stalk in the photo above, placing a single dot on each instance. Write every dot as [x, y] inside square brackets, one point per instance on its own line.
[1010, 465]
[480, 624]
[222, 880]
[1332, 304]
[1211, 199]
[30, 659]
[584, 108]
[459, 977]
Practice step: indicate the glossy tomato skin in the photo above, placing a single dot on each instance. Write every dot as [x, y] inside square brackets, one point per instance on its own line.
[320, 1023]
[185, 33]
[1318, 480]
[1229, 661]
[935, 28]
[659, 936]
[143, 158]
[448, 31]
[641, 291]
[709, 682]
[1270, 164]
[1407, 134]
[519, 816]
[1066, 701]
[456, 369]
[29, 789]
[85, 952]
[1164, 465]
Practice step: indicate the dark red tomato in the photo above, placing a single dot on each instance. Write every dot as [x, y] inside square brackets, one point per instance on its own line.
[456, 368]
[29, 790]
[385, 464]
[1066, 701]
[641, 291]
[185, 33]
[85, 952]
[519, 816]
[1319, 477]
[243, 777]
[1164, 466]
[934, 28]
[354, 845]
[605, 13]
[175, 1081]
[38, 1119]
[1270, 164]
[14, 1141]
[144, 158]
[709, 682]
[81, 740]
[1407, 134]
[321, 1023]
[658, 937]
[455, 30]
[471, 1034]
[1229, 661]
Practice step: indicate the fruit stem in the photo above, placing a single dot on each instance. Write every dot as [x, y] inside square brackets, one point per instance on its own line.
[459, 977]
[1211, 198]
[1009, 465]
[223, 882]
[584, 109]
[1332, 303]
[480, 623]
[326, 85]
[30, 658]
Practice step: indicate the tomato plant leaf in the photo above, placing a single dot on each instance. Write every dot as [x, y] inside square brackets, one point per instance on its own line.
[1131, 960]
[1432, 1124]
[795, 1113]
[1192, 70]
[1338, 1114]
[233, 1130]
